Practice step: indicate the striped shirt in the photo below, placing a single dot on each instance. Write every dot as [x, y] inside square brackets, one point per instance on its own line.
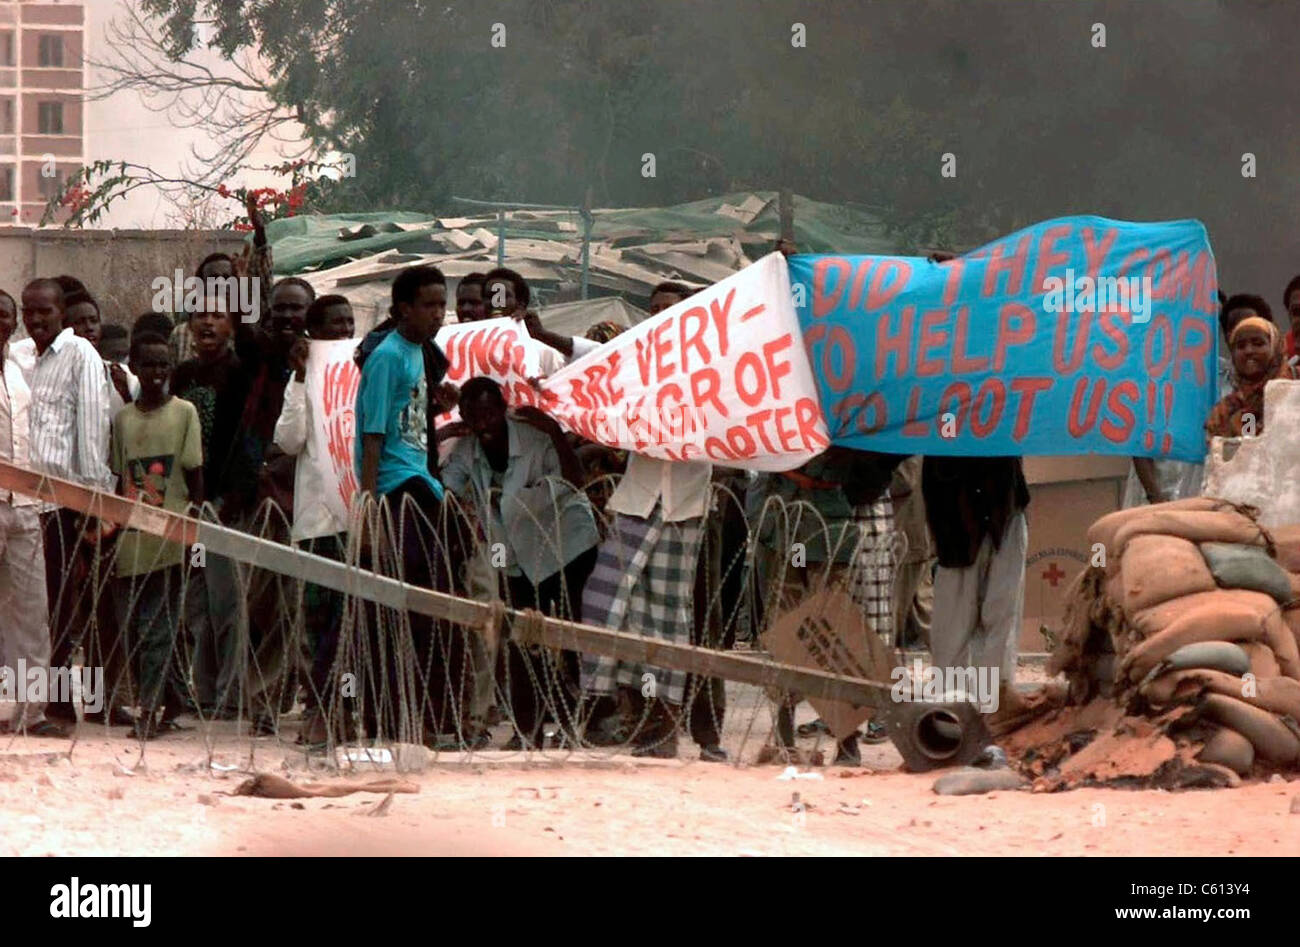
[15, 423]
[70, 405]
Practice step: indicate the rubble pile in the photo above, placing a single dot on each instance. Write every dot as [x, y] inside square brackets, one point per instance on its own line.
[1181, 652]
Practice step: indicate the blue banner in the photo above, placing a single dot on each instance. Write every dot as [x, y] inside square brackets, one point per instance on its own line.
[1079, 335]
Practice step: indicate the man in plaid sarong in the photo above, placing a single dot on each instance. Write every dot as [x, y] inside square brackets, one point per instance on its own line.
[643, 583]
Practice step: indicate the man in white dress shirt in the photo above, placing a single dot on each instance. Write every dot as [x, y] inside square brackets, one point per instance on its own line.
[70, 429]
[24, 633]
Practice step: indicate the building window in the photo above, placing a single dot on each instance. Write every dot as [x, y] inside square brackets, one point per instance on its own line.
[50, 53]
[6, 116]
[6, 49]
[6, 184]
[49, 118]
[50, 186]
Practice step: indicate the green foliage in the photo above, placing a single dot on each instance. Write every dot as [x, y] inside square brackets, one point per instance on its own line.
[430, 109]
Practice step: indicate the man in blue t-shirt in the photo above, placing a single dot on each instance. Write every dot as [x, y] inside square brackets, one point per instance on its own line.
[392, 416]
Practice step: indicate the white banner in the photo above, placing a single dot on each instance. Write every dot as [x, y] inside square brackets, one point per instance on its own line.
[721, 376]
[332, 382]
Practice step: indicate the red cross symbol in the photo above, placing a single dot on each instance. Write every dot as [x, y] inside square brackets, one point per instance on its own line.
[1053, 574]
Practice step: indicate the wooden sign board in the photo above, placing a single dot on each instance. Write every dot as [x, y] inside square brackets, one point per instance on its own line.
[828, 632]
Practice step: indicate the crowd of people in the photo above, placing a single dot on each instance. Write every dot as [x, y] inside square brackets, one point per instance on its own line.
[208, 411]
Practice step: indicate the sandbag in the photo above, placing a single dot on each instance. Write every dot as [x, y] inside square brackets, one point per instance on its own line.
[1197, 525]
[1157, 568]
[1152, 621]
[1263, 663]
[1228, 748]
[1291, 618]
[1283, 643]
[1270, 737]
[1103, 530]
[1286, 539]
[1235, 566]
[1278, 695]
[1234, 622]
[1225, 656]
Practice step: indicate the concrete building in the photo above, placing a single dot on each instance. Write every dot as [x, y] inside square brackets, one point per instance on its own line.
[41, 110]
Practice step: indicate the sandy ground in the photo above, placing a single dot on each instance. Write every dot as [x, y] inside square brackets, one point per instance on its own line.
[109, 800]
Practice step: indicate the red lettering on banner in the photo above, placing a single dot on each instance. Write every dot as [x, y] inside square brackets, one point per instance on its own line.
[1012, 266]
[899, 345]
[883, 289]
[752, 396]
[1061, 339]
[670, 390]
[843, 379]
[1096, 252]
[741, 442]
[516, 392]
[822, 303]
[956, 267]
[1078, 427]
[663, 348]
[1048, 256]
[1163, 259]
[961, 363]
[812, 336]
[959, 390]
[1117, 335]
[859, 283]
[855, 406]
[993, 393]
[1028, 389]
[603, 374]
[1016, 326]
[700, 316]
[785, 435]
[1159, 325]
[1119, 433]
[490, 363]
[776, 370]
[1196, 353]
[644, 352]
[340, 384]
[720, 314]
[758, 422]
[912, 425]
[1141, 253]
[499, 352]
[705, 385]
[717, 450]
[807, 414]
[579, 396]
[931, 337]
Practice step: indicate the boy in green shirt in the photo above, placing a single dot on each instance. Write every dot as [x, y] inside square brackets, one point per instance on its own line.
[157, 455]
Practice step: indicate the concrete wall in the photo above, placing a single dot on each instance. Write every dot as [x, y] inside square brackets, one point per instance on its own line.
[116, 265]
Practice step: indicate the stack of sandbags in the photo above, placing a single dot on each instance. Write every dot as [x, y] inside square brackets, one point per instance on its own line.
[1193, 606]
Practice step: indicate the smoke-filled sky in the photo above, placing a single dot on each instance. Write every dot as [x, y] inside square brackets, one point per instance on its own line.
[1041, 121]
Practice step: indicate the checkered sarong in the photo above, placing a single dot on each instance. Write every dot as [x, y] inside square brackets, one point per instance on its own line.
[871, 578]
[643, 583]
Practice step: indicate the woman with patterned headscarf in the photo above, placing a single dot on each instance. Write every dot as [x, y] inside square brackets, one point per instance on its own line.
[1257, 358]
